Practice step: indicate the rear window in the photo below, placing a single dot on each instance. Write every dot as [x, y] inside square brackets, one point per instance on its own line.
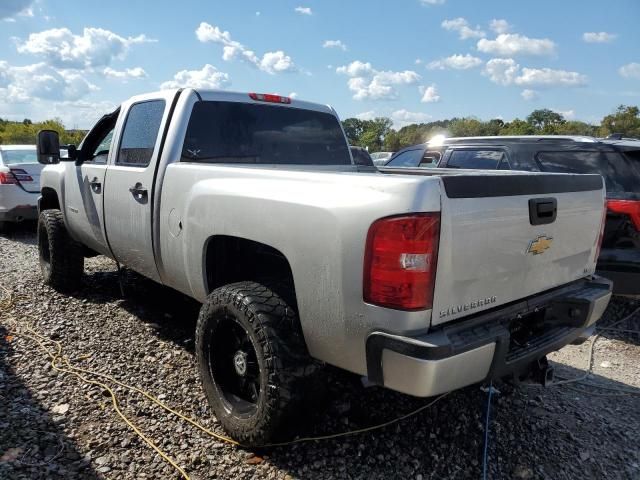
[12, 157]
[621, 175]
[233, 132]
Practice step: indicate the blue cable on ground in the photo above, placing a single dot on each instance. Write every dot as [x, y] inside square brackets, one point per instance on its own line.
[486, 433]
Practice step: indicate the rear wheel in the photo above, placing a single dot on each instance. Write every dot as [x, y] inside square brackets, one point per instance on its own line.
[4, 226]
[61, 257]
[253, 362]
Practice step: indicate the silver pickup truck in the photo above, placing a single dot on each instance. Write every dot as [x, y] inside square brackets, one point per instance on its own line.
[251, 204]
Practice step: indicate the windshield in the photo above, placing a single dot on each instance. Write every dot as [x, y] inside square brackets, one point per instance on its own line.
[12, 157]
[233, 132]
[621, 175]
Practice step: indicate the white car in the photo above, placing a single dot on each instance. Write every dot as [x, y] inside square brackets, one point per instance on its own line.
[19, 183]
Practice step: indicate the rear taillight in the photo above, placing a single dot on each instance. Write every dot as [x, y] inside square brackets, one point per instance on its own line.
[626, 207]
[269, 97]
[400, 261]
[21, 175]
[7, 178]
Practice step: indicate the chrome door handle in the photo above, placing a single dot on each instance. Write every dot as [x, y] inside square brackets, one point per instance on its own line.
[95, 184]
[138, 190]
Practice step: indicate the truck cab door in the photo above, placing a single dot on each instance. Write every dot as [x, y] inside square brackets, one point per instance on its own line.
[129, 190]
[83, 186]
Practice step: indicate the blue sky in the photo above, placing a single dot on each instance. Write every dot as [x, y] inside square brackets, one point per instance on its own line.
[410, 60]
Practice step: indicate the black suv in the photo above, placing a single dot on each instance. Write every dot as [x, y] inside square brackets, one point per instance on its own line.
[616, 159]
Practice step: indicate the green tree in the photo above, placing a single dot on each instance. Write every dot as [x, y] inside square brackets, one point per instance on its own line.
[392, 141]
[545, 121]
[353, 129]
[374, 133]
[574, 127]
[25, 132]
[625, 120]
[467, 127]
[517, 127]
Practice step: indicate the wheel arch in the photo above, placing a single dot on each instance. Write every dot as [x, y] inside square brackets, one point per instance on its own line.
[48, 199]
[229, 259]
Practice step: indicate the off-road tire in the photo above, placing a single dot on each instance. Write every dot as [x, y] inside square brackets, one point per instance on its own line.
[61, 257]
[285, 368]
[4, 226]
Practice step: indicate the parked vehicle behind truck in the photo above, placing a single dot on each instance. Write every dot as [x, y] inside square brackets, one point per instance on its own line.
[19, 184]
[616, 159]
[252, 205]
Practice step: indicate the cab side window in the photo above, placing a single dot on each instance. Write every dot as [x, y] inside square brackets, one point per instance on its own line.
[478, 159]
[140, 133]
[101, 152]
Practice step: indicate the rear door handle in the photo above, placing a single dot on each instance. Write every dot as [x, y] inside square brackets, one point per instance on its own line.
[138, 191]
[542, 211]
[95, 185]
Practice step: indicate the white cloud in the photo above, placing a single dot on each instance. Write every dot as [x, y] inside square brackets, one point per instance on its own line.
[356, 69]
[40, 81]
[432, 2]
[456, 62]
[499, 25]
[567, 114]
[547, 77]
[529, 95]
[463, 28]
[630, 70]
[502, 71]
[9, 8]
[505, 71]
[513, 44]
[404, 117]
[96, 47]
[275, 62]
[369, 115]
[257, 14]
[429, 94]
[271, 62]
[136, 72]
[598, 37]
[293, 95]
[371, 84]
[207, 77]
[334, 44]
[304, 10]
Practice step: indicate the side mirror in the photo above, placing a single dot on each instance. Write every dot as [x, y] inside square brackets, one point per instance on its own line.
[48, 147]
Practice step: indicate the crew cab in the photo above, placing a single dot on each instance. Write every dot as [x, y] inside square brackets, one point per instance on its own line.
[616, 159]
[252, 205]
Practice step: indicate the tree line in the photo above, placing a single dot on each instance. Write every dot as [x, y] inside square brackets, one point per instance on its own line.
[16, 133]
[378, 134]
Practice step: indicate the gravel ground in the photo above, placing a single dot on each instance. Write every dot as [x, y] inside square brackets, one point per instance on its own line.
[52, 425]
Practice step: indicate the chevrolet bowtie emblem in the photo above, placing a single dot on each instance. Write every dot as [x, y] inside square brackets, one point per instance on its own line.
[539, 245]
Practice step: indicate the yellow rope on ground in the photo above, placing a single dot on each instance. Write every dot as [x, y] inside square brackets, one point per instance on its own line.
[7, 303]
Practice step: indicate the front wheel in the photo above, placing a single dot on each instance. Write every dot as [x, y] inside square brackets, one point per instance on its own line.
[61, 259]
[253, 362]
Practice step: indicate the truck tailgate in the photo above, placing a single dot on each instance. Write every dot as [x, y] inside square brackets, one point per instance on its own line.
[498, 245]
